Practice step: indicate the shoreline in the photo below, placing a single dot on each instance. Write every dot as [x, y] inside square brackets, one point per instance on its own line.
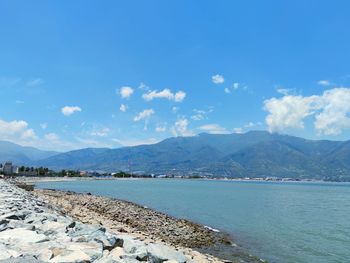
[148, 225]
[34, 180]
[35, 230]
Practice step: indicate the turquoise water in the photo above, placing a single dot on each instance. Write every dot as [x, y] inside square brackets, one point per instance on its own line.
[280, 222]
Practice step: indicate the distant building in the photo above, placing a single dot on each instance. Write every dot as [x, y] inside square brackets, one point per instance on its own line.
[8, 168]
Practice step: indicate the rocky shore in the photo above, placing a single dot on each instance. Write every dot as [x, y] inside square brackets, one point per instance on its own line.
[126, 216]
[55, 226]
[32, 231]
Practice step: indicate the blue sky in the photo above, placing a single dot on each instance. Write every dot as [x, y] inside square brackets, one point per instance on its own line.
[79, 74]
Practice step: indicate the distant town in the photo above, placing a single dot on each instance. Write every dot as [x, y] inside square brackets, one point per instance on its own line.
[8, 169]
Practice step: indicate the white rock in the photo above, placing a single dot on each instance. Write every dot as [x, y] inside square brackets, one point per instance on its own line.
[21, 235]
[68, 256]
[158, 253]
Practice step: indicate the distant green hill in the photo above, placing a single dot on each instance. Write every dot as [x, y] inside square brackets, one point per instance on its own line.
[253, 154]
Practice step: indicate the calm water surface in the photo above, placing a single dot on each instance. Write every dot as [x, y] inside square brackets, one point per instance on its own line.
[280, 222]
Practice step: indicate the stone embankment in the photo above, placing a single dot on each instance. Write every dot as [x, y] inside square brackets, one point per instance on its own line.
[33, 231]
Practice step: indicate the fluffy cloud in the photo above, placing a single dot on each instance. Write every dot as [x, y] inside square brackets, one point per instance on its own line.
[16, 131]
[144, 115]
[330, 111]
[180, 128]
[179, 96]
[123, 108]
[43, 126]
[217, 79]
[335, 114]
[213, 129]
[126, 92]
[164, 94]
[69, 110]
[234, 87]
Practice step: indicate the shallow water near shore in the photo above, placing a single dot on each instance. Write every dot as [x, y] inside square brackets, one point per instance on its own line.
[279, 222]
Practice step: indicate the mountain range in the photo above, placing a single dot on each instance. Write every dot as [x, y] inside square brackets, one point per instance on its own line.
[22, 155]
[253, 154]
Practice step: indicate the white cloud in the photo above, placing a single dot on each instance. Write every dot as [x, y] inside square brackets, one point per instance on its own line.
[249, 125]
[330, 110]
[179, 96]
[198, 117]
[69, 110]
[103, 132]
[20, 133]
[286, 92]
[16, 131]
[35, 82]
[324, 82]
[288, 112]
[164, 94]
[161, 128]
[43, 126]
[143, 86]
[52, 137]
[126, 92]
[217, 79]
[234, 87]
[201, 114]
[180, 128]
[28, 134]
[335, 114]
[123, 108]
[143, 115]
[213, 129]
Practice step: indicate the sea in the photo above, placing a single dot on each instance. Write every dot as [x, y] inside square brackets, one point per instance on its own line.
[297, 222]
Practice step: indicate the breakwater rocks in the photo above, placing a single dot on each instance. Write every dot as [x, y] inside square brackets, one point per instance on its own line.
[32, 231]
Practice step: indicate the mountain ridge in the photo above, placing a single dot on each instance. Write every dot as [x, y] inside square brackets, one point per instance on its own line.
[22, 154]
[252, 154]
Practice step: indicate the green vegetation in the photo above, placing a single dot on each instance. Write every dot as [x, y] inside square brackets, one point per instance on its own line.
[128, 175]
